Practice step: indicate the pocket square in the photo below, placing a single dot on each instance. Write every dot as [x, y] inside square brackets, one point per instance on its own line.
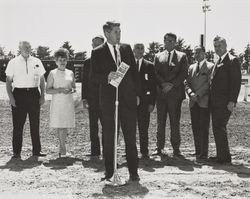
[146, 76]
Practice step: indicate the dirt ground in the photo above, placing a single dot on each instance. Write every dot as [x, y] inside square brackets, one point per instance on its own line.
[78, 176]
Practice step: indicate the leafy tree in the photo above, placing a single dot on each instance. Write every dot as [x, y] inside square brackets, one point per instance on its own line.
[246, 56]
[43, 52]
[180, 45]
[232, 52]
[80, 55]
[210, 56]
[69, 48]
[154, 48]
[2, 53]
[10, 55]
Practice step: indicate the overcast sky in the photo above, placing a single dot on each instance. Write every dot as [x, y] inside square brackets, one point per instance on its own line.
[52, 22]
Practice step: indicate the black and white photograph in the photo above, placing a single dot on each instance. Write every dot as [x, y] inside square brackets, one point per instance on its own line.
[124, 99]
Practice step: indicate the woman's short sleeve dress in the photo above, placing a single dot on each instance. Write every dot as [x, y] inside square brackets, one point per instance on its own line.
[62, 110]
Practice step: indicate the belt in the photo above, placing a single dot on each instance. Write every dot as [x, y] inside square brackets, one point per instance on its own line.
[26, 89]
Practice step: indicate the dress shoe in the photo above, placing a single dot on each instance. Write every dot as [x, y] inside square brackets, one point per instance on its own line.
[201, 157]
[145, 156]
[134, 178]
[107, 177]
[213, 158]
[178, 154]
[39, 154]
[220, 161]
[16, 155]
[157, 152]
[224, 161]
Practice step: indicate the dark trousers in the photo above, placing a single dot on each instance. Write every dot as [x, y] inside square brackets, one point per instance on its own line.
[200, 118]
[27, 102]
[143, 118]
[94, 116]
[127, 119]
[173, 108]
[220, 117]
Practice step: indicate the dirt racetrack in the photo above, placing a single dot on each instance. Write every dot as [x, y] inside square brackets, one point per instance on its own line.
[78, 176]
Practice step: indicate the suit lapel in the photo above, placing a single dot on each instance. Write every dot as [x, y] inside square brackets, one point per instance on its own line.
[215, 68]
[109, 55]
[142, 66]
[214, 71]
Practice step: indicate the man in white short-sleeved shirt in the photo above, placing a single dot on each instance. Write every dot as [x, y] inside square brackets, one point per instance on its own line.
[25, 86]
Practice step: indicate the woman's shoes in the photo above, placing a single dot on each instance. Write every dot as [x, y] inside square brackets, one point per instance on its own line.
[66, 155]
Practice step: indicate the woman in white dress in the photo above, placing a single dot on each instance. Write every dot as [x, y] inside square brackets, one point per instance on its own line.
[61, 85]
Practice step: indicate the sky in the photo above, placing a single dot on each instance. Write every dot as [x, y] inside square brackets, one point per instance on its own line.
[52, 22]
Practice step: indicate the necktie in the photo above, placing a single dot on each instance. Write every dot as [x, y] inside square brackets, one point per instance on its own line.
[137, 65]
[198, 68]
[169, 55]
[215, 68]
[115, 54]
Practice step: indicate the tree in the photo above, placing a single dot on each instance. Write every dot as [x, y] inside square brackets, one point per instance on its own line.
[10, 55]
[43, 52]
[69, 48]
[2, 53]
[210, 56]
[232, 52]
[180, 45]
[154, 47]
[80, 55]
[246, 61]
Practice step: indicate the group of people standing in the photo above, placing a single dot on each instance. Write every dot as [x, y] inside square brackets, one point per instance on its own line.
[212, 88]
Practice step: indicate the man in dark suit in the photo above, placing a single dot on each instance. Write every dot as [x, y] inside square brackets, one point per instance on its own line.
[146, 75]
[197, 88]
[225, 88]
[171, 69]
[90, 97]
[104, 62]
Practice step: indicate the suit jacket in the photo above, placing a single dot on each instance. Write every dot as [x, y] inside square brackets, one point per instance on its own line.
[102, 63]
[147, 82]
[175, 73]
[225, 81]
[90, 88]
[198, 83]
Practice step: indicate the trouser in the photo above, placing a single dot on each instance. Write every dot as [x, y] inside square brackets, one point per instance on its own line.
[220, 117]
[27, 102]
[143, 118]
[127, 119]
[173, 108]
[200, 118]
[94, 116]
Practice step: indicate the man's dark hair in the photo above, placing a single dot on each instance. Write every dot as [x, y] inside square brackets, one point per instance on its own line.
[109, 25]
[170, 35]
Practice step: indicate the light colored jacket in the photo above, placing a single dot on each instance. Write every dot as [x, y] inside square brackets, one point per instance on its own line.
[198, 83]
